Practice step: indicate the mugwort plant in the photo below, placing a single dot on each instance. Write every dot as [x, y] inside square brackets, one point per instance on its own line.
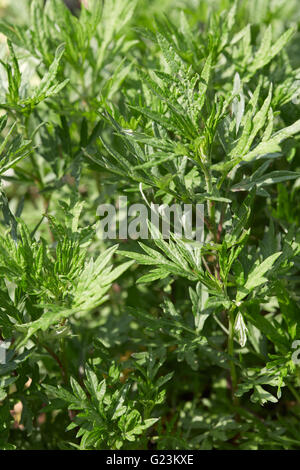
[149, 235]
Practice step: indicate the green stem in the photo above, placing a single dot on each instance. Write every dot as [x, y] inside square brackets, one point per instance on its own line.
[204, 163]
[233, 373]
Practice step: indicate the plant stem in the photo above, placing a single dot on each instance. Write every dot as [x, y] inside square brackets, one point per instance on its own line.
[233, 374]
[57, 359]
[204, 163]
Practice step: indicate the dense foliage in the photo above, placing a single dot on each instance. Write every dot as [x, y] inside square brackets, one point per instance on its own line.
[166, 344]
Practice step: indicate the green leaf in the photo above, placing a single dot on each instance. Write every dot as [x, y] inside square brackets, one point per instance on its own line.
[256, 275]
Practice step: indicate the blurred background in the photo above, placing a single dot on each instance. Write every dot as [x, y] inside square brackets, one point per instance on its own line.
[255, 10]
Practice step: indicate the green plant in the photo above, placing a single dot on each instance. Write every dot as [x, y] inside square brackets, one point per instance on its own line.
[187, 345]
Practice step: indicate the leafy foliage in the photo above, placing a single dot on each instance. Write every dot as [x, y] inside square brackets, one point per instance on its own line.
[186, 345]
